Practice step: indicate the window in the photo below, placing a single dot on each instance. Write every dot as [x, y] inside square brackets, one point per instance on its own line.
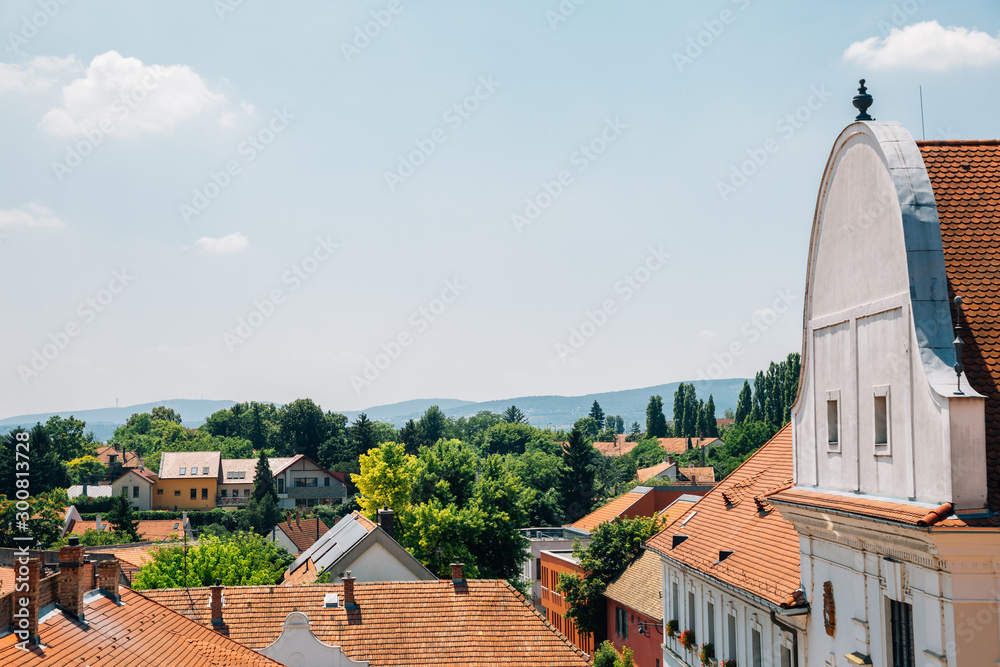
[710, 609]
[732, 636]
[194, 471]
[135, 491]
[281, 485]
[833, 419]
[901, 624]
[194, 494]
[621, 623]
[675, 599]
[538, 569]
[236, 493]
[326, 481]
[692, 614]
[786, 657]
[224, 493]
[756, 648]
[177, 493]
[159, 492]
[113, 458]
[204, 471]
[182, 471]
[882, 420]
[305, 481]
[204, 494]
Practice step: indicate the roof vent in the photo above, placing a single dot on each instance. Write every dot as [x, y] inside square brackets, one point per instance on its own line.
[726, 499]
[677, 540]
[331, 600]
[724, 554]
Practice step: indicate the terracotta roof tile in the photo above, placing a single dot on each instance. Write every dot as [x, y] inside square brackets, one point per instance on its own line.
[904, 513]
[304, 532]
[139, 632]
[765, 558]
[127, 459]
[306, 573]
[608, 512]
[642, 474]
[485, 622]
[965, 177]
[703, 476]
[677, 510]
[206, 463]
[640, 586]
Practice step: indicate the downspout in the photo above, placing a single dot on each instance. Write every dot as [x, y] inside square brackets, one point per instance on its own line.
[795, 638]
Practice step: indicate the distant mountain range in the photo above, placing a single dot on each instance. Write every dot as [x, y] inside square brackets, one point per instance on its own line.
[541, 411]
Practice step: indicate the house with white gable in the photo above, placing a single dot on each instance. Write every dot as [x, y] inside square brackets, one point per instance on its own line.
[896, 426]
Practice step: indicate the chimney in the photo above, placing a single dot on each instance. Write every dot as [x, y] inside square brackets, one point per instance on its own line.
[98, 522]
[216, 603]
[457, 576]
[349, 602]
[107, 578]
[84, 489]
[26, 617]
[71, 583]
[385, 521]
[670, 459]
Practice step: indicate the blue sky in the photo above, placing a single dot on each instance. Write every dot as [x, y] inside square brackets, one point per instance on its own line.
[256, 201]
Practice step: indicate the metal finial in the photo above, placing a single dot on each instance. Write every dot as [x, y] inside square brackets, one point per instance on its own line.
[862, 101]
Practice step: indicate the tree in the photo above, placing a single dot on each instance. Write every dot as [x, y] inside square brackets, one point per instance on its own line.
[409, 435]
[86, 470]
[434, 425]
[447, 471]
[514, 416]
[540, 471]
[263, 479]
[121, 518]
[386, 478]
[303, 427]
[261, 515]
[245, 559]
[473, 429]
[438, 535]
[577, 479]
[711, 425]
[68, 438]
[163, 413]
[334, 448]
[41, 521]
[613, 545]
[598, 414]
[656, 422]
[362, 435]
[743, 404]
[587, 426]
[607, 656]
[503, 499]
[635, 431]
[508, 438]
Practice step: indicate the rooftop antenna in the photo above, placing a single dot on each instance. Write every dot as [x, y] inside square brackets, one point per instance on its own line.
[923, 133]
[862, 101]
[959, 344]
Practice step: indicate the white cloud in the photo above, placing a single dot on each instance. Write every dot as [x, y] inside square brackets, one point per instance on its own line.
[133, 98]
[927, 46]
[227, 245]
[37, 75]
[32, 215]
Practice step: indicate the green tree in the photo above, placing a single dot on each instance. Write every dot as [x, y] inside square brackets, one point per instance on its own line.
[303, 427]
[445, 470]
[541, 472]
[335, 447]
[744, 404]
[598, 414]
[121, 517]
[409, 435]
[577, 485]
[245, 559]
[514, 416]
[711, 425]
[508, 438]
[86, 470]
[503, 500]
[473, 429]
[656, 422]
[362, 435]
[587, 426]
[607, 656]
[163, 413]
[434, 425]
[386, 479]
[263, 479]
[613, 545]
[68, 438]
[41, 522]
[261, 515]
[438, 535]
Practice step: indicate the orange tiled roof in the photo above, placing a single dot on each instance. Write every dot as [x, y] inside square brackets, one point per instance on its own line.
[965, 176]
[367, 523]
[130, 559]
[485, 622]
[619, 447]
[139, 632]
[608, 512]
[704, 476]
[303, 532]
[640, 586]
[304, 574]
[765, 558]
[161, 530]
[642, 474]
[676, 510]
[876, 509]
[680, 445]
[127, 459]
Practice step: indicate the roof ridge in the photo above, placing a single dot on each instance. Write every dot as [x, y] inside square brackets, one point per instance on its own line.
[539, 614]
[959, 142]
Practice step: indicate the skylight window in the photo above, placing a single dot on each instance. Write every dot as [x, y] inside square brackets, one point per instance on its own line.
[194, 471]
[182, 470]
[204, 471]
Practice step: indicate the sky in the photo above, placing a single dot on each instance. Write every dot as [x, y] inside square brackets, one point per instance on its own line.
[374, 201]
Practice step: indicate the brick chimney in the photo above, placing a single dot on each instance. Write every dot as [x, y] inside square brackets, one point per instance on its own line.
[457, 576]
[386, 521]
[216, 603]
[107, 578]
[97, 522]
[349, 602]
[26, 616]
[71, 583]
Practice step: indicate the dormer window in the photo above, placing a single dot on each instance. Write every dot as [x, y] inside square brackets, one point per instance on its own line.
[833, 420]
[881, 420]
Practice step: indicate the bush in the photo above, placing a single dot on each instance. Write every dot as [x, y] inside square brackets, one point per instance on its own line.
[92, 505]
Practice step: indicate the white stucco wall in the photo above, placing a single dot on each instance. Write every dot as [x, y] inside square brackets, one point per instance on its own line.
[145, 501]
[376, 563]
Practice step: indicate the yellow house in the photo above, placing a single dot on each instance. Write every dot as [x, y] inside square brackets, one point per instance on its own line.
[187, 481]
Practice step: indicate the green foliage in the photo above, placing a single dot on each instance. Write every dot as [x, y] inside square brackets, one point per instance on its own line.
[245, 559]
[597, 414]
[260, 516]
[607, 656]
[121, 519]
[86, 470]
[656, 422]
[41, 521]
[577, 482]
[445, 470]
[510, 438]
[68, 439]
[163, 413]
[302, 427]
[92, 538]
[473, 429]
[433, 426]
[588, 426]
[504, 502]
[386, 478]
[612, 547]
[514, 416]
[647, 453]
[439, 535]
[263, 480]
[613, 473]
[541, 472]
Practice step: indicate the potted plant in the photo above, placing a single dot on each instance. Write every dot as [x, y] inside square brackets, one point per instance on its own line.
[730, 662]
[672, 627]
[687, 639]
[707, 654]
